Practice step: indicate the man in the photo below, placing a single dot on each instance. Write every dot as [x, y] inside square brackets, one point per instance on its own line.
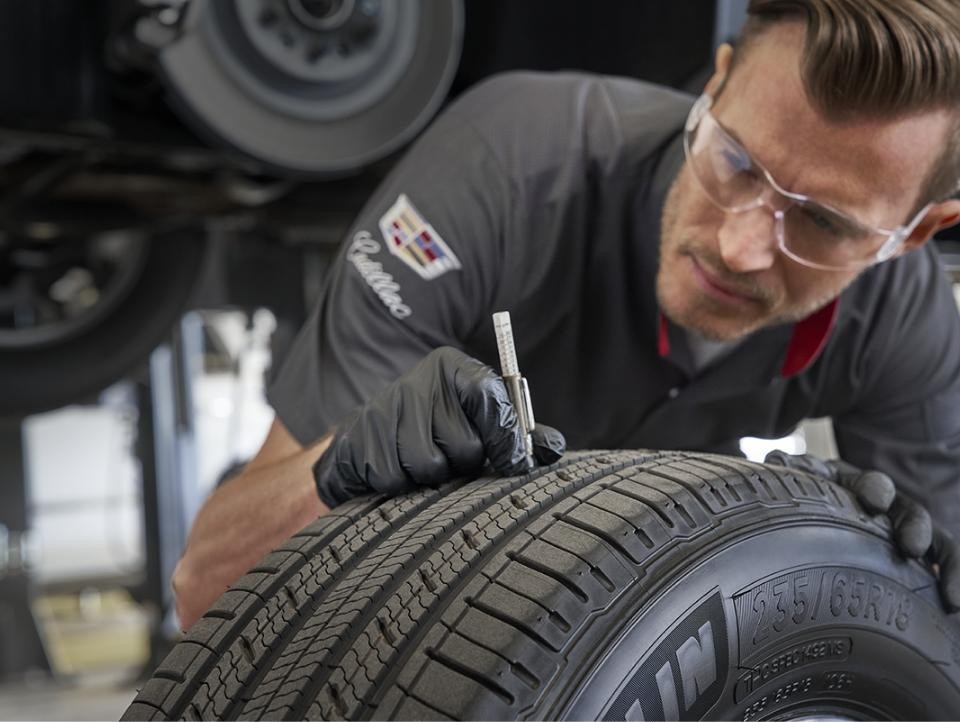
[680, 275]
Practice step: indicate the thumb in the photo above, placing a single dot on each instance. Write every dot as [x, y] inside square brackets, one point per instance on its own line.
[548, 444]
[945, 554]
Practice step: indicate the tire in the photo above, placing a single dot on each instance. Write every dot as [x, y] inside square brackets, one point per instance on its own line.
[67, 365]
[615, 585]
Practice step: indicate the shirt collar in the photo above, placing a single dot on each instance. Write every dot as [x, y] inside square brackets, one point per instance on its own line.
[807, 340]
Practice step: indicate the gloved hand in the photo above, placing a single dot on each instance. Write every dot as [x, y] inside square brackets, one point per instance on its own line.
[913, 528]
[439, 421]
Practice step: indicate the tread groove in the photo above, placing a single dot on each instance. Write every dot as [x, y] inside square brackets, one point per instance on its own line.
[385, 631]
[420, 700]
[595, 571]
[720, 471]
[247, 650]
[694, 492]
[650, 505]
[290, 596]
[691, 468]
[783, 483]
[748, 477]
[544, 569]
[507, 619]
[799, 483]
[835, 495]
[587, 528]
[555, 617]
[525, 675]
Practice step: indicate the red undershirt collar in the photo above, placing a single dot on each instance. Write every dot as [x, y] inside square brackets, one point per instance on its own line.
[806, 343]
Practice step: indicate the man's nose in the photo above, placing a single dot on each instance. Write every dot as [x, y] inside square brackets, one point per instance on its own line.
[748, 240]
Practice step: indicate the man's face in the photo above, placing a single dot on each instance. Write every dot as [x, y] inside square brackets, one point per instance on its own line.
[722, 274]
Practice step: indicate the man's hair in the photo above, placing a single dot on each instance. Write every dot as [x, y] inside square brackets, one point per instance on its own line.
[878, 58]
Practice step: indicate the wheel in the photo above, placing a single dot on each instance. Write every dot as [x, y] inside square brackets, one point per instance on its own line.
[615, 585]
[313, 87]
[76, 314]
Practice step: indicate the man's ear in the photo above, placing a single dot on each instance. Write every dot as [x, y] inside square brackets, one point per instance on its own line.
[721, 68]
[941, 215]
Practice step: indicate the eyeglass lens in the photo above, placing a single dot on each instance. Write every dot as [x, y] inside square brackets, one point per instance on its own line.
[733, 180]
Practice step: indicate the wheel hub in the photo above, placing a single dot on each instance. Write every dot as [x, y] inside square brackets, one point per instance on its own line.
[321, 14]
[53, 291]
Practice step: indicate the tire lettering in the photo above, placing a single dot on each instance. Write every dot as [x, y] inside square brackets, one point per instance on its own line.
[874, 598]
[834, 649]
[780, 621]
[838, 594]
[698, 664]
[762, 629]
[782, 604]
[668, 692]
[684, 674]
[799, 598]
[838, 680]
[903, 613]
[856, 598]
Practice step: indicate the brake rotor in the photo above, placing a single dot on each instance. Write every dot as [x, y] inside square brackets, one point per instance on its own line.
[316, 87]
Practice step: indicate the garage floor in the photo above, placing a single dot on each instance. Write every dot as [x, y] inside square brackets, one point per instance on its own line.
[48, 700]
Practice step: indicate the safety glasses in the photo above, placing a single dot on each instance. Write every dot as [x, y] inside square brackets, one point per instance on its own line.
[810, 232]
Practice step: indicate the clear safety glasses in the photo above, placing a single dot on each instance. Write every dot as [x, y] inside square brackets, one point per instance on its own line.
[812, 233]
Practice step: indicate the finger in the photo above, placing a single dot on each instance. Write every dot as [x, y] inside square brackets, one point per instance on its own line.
[548, 444]
[945, 553]
[913, 528]
[874, 489]
[423, 463]
[483, 397]
[337, 480]
[457, 439]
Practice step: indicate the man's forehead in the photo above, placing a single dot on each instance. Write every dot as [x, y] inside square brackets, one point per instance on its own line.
[871, 167]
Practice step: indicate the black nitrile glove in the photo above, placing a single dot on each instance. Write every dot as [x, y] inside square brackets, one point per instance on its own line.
[441, 420]
[913, 527]
[944, 555]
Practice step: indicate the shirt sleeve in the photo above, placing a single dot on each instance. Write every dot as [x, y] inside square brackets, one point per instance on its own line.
[418, 270]
[906, 421]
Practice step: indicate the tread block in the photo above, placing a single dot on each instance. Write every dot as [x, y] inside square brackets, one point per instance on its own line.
[671, 501]
[412, 708]
[454, 693]
[502, 639]
[522, 614]
[626, 525]
[565, 608]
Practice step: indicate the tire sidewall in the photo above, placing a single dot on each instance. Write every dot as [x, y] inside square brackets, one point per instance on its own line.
[829, 651]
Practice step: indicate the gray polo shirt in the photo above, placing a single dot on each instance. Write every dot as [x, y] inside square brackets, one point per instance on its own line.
[541, 194]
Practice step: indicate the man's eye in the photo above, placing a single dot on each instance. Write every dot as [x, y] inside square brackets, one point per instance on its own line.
[823, 222]
[737, 161]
